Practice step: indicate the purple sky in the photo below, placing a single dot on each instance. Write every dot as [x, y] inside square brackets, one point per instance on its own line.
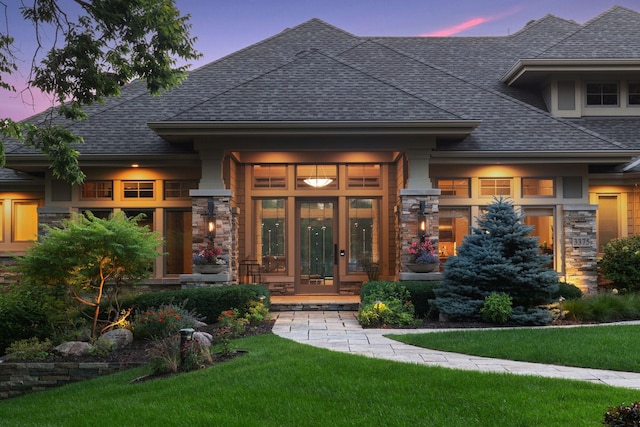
[224, 26]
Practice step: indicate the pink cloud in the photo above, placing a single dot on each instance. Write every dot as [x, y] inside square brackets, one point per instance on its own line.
[470, 23]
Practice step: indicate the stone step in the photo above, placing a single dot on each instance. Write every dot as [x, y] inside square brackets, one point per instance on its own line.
[314, 306]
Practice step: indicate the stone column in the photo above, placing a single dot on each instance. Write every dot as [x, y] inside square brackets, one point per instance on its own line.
[52, 217]
[225, 238]
[409, 228]
[580, 251]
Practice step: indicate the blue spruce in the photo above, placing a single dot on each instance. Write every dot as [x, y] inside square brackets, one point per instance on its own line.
[498, 256]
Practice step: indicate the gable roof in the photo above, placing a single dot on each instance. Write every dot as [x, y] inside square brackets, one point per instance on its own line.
[317, 72]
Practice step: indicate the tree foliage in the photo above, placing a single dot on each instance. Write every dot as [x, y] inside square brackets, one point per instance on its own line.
[108, 44]
[87, 253]
[498, 256]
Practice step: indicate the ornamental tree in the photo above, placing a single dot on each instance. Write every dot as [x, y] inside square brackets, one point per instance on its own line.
[94, 47]
[498, 256]
[87, 254]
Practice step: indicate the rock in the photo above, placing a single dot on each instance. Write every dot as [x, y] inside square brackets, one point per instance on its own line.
[118, 338]
[73, 348]
[203, 338]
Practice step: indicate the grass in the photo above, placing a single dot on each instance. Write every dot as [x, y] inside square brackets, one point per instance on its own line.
[614, 347]
[283, 383]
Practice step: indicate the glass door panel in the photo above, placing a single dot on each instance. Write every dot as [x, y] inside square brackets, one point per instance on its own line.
[316, 241]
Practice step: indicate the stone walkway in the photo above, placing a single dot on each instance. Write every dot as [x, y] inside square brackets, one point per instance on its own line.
[340, 331]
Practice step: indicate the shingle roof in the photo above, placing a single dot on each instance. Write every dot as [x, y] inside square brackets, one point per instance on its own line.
[316, 71]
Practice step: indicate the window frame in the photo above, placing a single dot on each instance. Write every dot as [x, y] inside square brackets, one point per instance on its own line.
[635, 94]
[97, 190]
[495, 187]
[454, 187]
[539, 179]
[601, 94]
[138, 191]
[184, 185]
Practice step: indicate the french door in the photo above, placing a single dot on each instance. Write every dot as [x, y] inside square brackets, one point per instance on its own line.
[316, 238]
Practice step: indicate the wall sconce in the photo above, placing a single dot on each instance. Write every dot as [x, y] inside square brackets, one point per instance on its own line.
[422, 220]
[211, 220]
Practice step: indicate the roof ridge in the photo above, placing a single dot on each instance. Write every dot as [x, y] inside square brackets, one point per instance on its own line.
[507, 97]
[535, 22]
[312, 51]
[583, 27]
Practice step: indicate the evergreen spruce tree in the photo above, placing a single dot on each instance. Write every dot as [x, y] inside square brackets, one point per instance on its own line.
[498, 256]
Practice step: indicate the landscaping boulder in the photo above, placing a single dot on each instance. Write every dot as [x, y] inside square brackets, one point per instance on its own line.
[118, 338]
[73, 348]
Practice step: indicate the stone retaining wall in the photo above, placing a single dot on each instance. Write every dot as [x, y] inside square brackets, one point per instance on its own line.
[17, 379]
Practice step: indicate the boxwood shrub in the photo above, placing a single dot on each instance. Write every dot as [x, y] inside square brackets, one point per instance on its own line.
[206, 302]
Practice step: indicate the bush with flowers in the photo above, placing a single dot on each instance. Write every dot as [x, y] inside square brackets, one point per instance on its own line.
[208, 254]
[423, 252]
[162, 321]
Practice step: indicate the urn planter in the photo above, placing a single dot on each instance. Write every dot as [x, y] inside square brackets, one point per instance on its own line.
[208, 268]
[423, 268]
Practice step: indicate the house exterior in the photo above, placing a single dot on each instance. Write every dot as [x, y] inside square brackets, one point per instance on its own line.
[316, 154]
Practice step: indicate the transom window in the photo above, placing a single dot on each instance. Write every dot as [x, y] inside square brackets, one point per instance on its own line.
[455, 187]
[538, 187]
[95, 190]
[495, 187]
[363, 176]
[178, 189]
[634, 93]
[602, 93]
[269, 176]
[138, 189]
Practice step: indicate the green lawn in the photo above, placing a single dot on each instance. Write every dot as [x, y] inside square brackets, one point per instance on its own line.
[613, 347]
[283, 383]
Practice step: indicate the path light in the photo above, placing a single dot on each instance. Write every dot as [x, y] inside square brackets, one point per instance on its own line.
[561, 300]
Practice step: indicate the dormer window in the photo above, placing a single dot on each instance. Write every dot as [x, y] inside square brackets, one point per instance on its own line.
[600, 94]
[634, 93]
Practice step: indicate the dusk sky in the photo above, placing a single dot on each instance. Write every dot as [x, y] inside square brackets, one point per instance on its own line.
[224, 26]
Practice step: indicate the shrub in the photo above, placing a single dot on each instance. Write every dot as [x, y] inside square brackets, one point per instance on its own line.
[496, 308]
[385, 303]
[567, 291]
[207, 302]
[623, 415]
[422, 296]
[30, 349]
[621, 262]
[257, 313]
[24, 314]
[162, 321]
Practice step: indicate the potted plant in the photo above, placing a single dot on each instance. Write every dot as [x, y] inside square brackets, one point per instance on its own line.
[207, 260]
[424, 256]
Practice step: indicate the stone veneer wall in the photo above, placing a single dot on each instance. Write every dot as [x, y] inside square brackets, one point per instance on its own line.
[17, 379]
[408, 229]
[580, 251]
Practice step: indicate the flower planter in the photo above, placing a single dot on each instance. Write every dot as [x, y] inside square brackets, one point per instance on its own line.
[423, 268]
[208, 268]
